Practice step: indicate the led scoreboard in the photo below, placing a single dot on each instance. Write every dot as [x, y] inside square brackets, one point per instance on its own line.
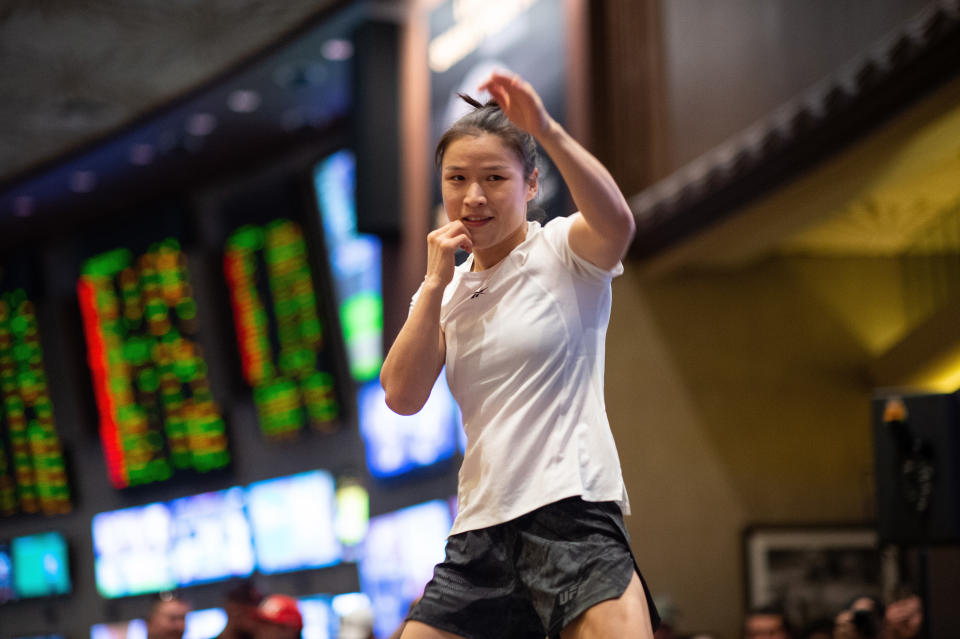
[157, 414]
[279, 331]
[32, 474]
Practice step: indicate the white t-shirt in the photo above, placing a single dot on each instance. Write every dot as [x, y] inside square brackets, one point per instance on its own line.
[525, 357]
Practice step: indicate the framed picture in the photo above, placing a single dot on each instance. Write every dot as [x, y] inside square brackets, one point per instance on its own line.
[815, 571]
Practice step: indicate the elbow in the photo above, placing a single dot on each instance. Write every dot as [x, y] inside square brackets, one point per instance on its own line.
[398, 400]
[629, 223]
[401, 405]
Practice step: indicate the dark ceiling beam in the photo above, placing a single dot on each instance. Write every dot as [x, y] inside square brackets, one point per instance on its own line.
[925, 56]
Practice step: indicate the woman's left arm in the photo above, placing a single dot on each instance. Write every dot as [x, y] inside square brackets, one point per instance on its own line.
[605, 227]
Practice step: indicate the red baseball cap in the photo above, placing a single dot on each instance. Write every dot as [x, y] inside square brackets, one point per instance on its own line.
[281, 610]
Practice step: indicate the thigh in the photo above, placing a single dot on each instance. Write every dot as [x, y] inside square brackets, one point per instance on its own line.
[628, 617]
[574, 556]
[474, 592]
[420, 630]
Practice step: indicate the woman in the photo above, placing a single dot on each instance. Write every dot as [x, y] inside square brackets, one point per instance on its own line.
[538, 546]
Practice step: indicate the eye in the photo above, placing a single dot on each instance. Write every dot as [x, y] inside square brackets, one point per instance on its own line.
[455, 178]
[495, 178]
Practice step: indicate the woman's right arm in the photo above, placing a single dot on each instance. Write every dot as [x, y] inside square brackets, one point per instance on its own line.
[417, 355]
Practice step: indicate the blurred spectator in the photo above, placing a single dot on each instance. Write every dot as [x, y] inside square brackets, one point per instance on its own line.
[903, 618]
[167, 618]
[819, 629]
[767, 622]
[279, 618]
[862, 619]
[358, 624]
[241, 608]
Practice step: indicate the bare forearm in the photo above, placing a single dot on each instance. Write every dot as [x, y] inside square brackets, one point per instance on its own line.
[416, 357]
[594, 190]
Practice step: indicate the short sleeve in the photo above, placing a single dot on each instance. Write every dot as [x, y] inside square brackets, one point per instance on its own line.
[413, 300]
[557, 234]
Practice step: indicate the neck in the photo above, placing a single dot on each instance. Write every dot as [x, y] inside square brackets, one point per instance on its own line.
[492, 255]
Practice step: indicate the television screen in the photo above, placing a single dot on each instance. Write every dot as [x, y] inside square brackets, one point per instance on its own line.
[6, 574]
[132, 550]
[157, 411]
[400, 552]
[41, 637]
[203, 624]
[32, 476]
[41, 565]
[319, 622]
[284, 354]
[292, 519]
[355, 260]
[210, 537]
[397, 444]
[136, 629]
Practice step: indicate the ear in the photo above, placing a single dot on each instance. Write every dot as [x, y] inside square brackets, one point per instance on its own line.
[533, 185]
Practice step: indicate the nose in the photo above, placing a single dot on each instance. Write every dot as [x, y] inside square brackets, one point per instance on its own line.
[475, 195]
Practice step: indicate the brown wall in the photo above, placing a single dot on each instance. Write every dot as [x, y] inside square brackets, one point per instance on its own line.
[736, 398]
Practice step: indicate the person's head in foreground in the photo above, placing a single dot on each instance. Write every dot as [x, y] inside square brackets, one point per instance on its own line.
[279, 618]
[167, 618]
[767, 622]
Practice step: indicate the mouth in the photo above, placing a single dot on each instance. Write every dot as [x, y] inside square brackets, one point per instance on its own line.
[476, 220]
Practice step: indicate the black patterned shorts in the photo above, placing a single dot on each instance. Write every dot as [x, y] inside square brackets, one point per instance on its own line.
[530, 577]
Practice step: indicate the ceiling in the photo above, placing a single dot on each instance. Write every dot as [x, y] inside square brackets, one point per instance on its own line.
[126, 94]
[73, 70]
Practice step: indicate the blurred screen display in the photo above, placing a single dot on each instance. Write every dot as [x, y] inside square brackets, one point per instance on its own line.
[132, 549]
[200, 624]
[32, 472]
[293, 522]
[136, 629]
[397, 444]
[41, 565]
[400, 552]
[6, 574]
[279, 330]
[204, 624]
[353, 513]
[157, 412]
[319, 622]
[355, 260]
[211, 537]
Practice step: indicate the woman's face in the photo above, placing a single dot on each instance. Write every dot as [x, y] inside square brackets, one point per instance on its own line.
[484, 187]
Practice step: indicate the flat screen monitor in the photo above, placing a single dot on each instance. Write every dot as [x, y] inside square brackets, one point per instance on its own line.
[319, 621]
[293, 522]
[210, 538]
[397, 444]
[400, 552]
[41, 565]
[132, 550]
[136, 629]
[345, 603]
[200, 624]
[355, 260]
[6, 574]
[204, 624]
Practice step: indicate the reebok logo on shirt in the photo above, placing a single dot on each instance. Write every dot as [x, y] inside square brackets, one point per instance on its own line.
[477, 293]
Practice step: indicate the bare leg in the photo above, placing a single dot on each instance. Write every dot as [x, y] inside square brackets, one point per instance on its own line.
[418, 630]
[627, 617]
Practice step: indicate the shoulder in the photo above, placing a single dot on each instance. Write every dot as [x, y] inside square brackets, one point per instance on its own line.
[556, 233]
